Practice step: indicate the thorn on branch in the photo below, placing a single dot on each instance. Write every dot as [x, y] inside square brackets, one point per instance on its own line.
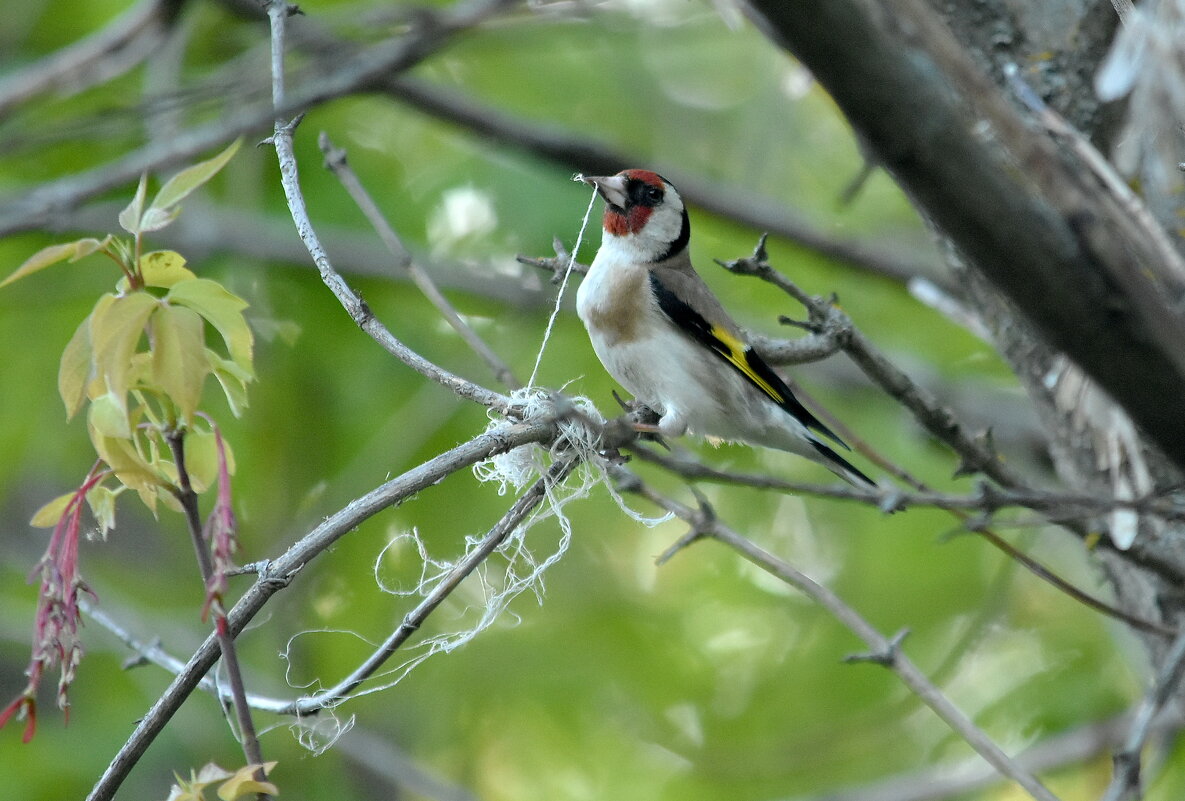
[335, 157]
[892, 500]
[692, 536]
[289, 127]
[755, 264]
[557, 265]
[277, 580]
[702, 522]
[806, 325]
[134, 661]
[886, 657]
[290, 9]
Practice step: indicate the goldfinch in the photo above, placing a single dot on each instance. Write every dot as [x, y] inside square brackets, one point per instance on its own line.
[662, 334]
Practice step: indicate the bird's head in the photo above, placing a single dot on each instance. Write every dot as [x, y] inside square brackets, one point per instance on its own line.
[643, 213]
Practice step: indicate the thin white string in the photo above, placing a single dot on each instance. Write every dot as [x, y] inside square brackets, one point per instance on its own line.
[555, 312]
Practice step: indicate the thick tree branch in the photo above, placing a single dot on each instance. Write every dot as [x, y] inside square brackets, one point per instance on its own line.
[1041, 227]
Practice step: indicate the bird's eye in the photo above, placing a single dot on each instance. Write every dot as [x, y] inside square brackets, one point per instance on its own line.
[653, 194]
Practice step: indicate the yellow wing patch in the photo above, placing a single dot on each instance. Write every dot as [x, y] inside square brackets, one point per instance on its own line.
[734, 351]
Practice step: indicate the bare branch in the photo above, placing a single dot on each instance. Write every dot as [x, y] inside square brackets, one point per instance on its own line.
[335, 160]
[883, 648]
[1125, 783]
[834, 322]
[226, 644]
[414, 619]
[282, 570]
[940, 783]
[125, 42]
[353, 303]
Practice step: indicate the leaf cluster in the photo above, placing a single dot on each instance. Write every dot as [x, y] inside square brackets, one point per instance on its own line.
[139, 361]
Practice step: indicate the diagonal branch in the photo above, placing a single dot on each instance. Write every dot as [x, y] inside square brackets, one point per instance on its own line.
[290, 180]
[102, 56]
[280, 572]
[335, 160]
[413, 620]
[884, 651]
[1125, 783]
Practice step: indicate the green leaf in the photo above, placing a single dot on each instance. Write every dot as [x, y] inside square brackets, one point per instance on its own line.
[75, 371]
[117, 323]
[49, 514]
[164, 268]
[53, 254]
[233, 380]
[180, 185]
[108, 417]
[201, 459]
[179, 365]
[129, 218]
[224, 310]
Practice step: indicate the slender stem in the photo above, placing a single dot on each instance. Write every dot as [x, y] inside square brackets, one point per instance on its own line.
[226, 644]
[350, 300]
[414, 619]
[885, 651]
[1125, 782]
[280, 572]
[335, 160]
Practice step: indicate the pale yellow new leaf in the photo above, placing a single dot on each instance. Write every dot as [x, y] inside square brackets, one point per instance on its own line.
[102, 503]
[129, 218]
[108, 417]
[191, 789]
[155, 219]
[201, 459]
[75, 370]
[72, 251]
[117, 324]
[164, 268]
[224, 310]
[125, 461]
[49, 514]
[243, 783]
[179, 365]
[189, 179]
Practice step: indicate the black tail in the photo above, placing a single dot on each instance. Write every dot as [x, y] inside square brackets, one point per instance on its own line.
[841, 466]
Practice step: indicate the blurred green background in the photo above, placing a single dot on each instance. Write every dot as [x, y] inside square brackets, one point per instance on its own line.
[700, 679]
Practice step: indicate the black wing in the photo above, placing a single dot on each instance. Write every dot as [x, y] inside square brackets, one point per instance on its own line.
[740, 356]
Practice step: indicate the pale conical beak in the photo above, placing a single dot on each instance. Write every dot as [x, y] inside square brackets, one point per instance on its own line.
[610, 187]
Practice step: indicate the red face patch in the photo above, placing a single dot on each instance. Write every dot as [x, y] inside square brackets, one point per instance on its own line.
[633, 218]
[631, 221]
